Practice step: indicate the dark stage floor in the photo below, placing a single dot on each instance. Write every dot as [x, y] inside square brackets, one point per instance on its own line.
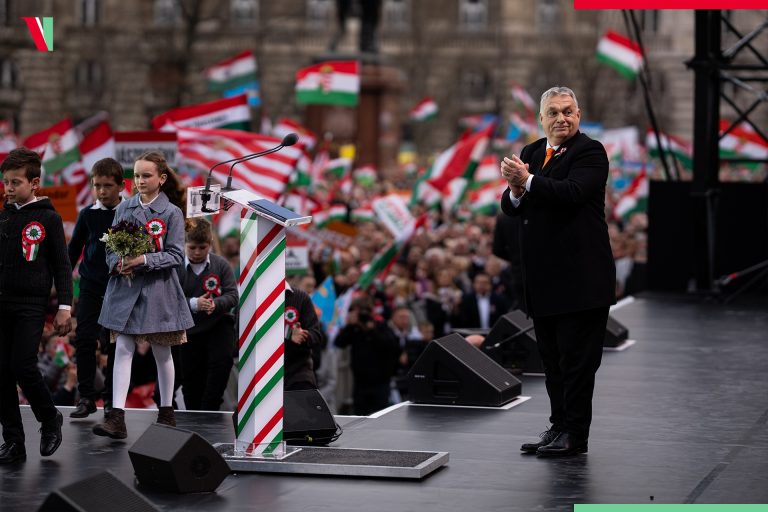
[680, 417]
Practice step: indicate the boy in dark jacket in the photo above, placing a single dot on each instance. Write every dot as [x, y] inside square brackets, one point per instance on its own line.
[33, 253]
[92, 223]
[209, 285]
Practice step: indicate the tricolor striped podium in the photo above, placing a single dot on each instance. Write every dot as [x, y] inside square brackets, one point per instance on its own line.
[259, 429]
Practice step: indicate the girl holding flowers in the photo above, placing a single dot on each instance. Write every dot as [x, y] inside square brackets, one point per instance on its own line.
[144, 301]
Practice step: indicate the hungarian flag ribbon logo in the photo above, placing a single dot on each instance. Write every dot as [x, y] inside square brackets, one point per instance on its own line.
[156, 229]
[31, 237]
[291, 317]
[212, 284]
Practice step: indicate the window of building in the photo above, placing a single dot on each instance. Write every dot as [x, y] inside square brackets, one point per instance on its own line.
[397, 14]
[5, 12]
[8, 74]
[89, 13]
[167, 12]
[547, 15]
[473, 15]
[88, 75]
[244, 12]
[649, 20]
[475, 85]
[320, 14]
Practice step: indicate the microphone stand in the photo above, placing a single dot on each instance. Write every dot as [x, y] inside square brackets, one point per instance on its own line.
[510, 338]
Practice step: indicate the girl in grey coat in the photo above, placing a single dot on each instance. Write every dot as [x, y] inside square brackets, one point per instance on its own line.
[150, 307]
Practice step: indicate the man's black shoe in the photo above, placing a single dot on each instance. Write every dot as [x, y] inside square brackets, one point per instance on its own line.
[50, 435]
[546, 437]
[12, 452]
[564, 445]
[84, 407]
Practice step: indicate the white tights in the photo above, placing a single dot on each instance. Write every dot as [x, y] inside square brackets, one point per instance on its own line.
[121, 375]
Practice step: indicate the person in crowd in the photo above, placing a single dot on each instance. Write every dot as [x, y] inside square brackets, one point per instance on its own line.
[33, 254]
[144, 301]
[92, 223]
[303, 335]
[480, 308]
[211, 291]
[375, 352]
[557, 190]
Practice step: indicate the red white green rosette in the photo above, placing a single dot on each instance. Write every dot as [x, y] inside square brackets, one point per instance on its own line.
[212, 284]
[31, 237]
[291, 317]
[157, 229]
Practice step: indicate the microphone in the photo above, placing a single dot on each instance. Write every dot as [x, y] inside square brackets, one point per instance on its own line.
[510, 338]
[205, 195]
[288, 140]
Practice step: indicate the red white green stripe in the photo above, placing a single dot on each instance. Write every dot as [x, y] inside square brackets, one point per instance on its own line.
[232, 113]
[742, 142]
[384, 259]
[365, 176]
[681, 149]
[231, 73]
[285, 125]
[485, 199]
[363, 214]
[455, 161]
[338, 167]
[620, 53]
[329, 83]
[262, 309]
[425, 110]
[634, 199]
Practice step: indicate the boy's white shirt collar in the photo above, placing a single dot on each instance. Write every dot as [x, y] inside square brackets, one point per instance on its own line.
[187, 262]
[20, 206]
[98, 205]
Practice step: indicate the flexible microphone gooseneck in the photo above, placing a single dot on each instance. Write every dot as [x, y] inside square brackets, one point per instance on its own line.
[205, 195]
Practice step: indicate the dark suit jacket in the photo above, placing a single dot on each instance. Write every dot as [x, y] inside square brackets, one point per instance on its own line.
[566, 255]
[468, 314]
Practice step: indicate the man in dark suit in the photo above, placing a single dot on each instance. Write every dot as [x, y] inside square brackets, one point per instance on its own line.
[557, 189]
[482, 307]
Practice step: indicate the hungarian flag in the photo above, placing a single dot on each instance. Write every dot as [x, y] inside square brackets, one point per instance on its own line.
[267, 176]
[300, 177]
[485, 199]
[489, 169]
[285, 125]
[620, 53]
[363, 214]
[681, 149]
[235, 76]
[742, 142]
[97, 144]
[634, 199]
[338, 167]
[322, 217]
[329, 83]
[523, 99]
[425, 110]
[460, 159]
[232, 113]
[365, 176]
[384, 260]
[58, 145]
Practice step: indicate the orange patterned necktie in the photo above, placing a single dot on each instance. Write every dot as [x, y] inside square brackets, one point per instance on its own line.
[550, 152]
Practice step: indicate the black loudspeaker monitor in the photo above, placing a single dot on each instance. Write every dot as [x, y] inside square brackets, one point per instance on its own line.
[615, 333]
[452, 371]
[99, 493]
[306, 418]
[176, 460]
[519, 353]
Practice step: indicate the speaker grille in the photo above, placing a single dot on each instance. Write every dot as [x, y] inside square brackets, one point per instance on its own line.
[102, 492]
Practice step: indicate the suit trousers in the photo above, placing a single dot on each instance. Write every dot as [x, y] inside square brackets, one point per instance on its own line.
[20, 336]
[571, 348]
[86, 340]
[206, 360]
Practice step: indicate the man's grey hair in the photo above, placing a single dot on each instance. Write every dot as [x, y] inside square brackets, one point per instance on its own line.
[557, 91]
